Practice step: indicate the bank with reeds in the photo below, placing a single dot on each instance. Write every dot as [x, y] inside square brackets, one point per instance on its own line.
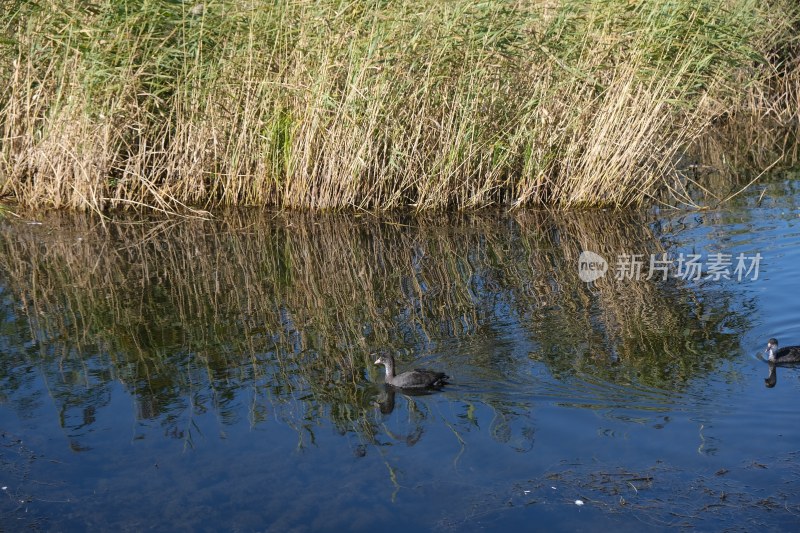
[377, 105]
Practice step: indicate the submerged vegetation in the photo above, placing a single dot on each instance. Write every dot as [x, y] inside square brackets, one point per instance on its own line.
[340, 104]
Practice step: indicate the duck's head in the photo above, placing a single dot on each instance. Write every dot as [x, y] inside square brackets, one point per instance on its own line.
[772, 347]
[382, 359]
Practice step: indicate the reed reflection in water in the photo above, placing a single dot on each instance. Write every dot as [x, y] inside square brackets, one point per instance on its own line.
[256, 313]
[245, 342]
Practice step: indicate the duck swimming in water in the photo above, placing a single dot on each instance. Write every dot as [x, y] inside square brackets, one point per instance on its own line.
[414, 379]
[787, 354]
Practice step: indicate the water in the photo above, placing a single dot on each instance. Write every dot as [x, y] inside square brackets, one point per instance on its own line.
[201, 376]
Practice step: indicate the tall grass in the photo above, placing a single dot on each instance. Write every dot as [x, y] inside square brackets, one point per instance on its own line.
[336, 104]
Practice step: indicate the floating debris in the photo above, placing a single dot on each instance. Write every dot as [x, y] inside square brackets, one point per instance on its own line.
[578, 502]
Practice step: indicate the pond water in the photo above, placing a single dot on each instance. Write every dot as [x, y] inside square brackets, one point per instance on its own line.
[193, 375]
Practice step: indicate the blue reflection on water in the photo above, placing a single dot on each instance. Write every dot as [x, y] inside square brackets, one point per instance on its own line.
[178, 426]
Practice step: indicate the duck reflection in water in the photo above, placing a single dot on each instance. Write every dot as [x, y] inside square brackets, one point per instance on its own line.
[788, 355]
[386, 402]
[772, 379]
[417, 382]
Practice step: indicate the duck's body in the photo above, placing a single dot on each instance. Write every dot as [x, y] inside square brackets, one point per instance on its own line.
[413, 379]
[787, 354]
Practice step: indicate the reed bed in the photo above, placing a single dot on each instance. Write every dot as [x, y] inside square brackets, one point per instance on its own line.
[376, 105]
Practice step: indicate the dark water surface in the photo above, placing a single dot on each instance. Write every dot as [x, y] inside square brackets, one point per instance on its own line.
[189, 375]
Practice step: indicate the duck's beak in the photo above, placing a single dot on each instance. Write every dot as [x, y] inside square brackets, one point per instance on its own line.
[377, 361]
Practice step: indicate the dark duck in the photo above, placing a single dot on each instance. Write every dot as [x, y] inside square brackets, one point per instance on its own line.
[413, 379]
[787, 354]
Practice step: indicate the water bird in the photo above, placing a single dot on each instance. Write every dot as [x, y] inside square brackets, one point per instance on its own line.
[413, 379]
[787, 354]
